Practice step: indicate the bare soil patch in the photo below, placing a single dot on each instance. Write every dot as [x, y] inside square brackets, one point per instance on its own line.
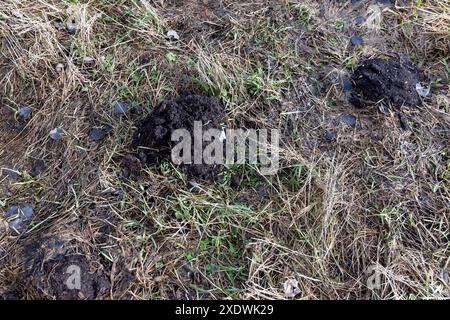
[388, 80]
[153, 137]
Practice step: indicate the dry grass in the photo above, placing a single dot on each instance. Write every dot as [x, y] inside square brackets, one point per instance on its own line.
[377, 196]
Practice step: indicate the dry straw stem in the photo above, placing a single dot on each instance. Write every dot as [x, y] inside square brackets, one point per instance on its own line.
[376, 195]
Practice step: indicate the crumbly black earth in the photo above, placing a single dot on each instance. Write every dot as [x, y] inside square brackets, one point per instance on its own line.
[49, 270]
[386, 80]
[153, 137]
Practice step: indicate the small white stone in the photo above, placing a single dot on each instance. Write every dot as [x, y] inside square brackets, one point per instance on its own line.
[17, 14]
[291, 289]
[172, 34]
[423, 91]
[88, 60]
[59, 68]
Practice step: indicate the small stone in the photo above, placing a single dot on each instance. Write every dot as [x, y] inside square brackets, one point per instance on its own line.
[403, 121]
[444, 277]
[172, 34]
[423, 91]
[262, 192]
[330, 136]
[97, 134]
[385, 2]
[119, 192]
[88, 60]
[24, 113]
[120, 107]
[291, 288]
[348, 119]
[17, 14]
[347, 85]
[185, 78]
[235, 181]
[357, 41]
[59, 25]
[19, 216]
[37, 168]
[359, 20]
[16, 224]
[59, 67]
[384, 108]
[13, 173]
[56, 133]
[26, 211]
[12, 211]
[72, 26]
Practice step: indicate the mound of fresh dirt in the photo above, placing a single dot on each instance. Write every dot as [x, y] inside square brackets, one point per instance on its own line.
[388, 80]
[50, 270]
[153, 137]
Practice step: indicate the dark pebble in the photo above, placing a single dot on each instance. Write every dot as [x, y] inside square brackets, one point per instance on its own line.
[120, 107]
[13, 173]
[357, 41]
[71, 26]
[330, 136]
[19, 216]
[348, 119]
[24, 113]
[12, 211]
[385, 2]
[26, 211]
[347, 85]
[235, 181]
[384, 108]
[59, 25]
[359, 20]
[185, 78]
[56, 133]
[97, 134]
[37, 167]
[403, 121]
[262, 192]
[119, 192]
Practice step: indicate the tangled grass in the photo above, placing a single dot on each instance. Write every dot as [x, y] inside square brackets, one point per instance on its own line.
[375, 198]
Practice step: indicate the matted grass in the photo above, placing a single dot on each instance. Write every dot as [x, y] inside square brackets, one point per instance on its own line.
[376, 197]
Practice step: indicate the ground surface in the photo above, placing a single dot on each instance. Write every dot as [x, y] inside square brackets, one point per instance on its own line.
[362, 190]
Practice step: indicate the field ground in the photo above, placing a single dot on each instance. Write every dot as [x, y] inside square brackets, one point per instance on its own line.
[347, 203]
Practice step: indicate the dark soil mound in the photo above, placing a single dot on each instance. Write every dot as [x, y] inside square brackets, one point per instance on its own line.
[388, 80]
[50, 270]
[153, 137]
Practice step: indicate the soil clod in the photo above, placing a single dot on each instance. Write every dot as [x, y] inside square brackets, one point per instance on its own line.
[37, 168]
[391, 81]
[348, 119]
[61, 270]
[153, 137]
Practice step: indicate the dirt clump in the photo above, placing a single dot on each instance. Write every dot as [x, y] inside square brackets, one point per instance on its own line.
[51, 269]
[153, 137]
[391, 81]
